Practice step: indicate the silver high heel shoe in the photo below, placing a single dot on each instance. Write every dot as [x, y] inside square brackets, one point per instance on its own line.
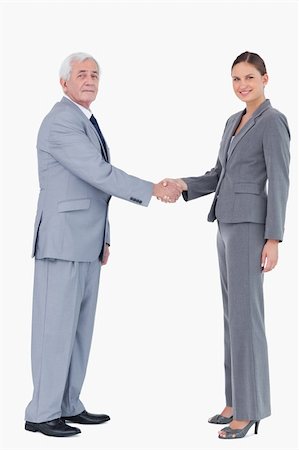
[220, 420]
[230, 433]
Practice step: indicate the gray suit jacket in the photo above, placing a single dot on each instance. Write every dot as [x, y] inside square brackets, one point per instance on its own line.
[76, 184]
[251, 183]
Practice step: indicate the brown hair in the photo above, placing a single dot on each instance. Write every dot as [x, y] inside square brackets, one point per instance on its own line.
[251, 58]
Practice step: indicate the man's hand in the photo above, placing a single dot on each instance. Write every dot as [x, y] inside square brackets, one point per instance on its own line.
[167, 191]
[269, 255]
[178, 181]
[106, 254]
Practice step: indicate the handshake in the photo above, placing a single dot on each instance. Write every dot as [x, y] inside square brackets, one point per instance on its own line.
[169, 190]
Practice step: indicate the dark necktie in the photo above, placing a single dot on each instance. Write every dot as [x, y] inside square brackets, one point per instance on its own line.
[102, 140]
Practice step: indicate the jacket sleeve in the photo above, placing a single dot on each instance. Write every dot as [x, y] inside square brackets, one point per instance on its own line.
[276, 147]
[71, 147]
[202, 185]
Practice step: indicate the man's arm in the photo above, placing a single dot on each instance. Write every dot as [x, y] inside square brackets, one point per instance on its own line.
[70, 147]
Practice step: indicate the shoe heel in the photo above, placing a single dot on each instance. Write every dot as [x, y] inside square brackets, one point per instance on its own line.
[256, 427]
[30, 427]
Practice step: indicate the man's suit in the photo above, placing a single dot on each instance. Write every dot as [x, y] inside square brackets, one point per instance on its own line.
[71, 230]
[76, 185]
[251, 183]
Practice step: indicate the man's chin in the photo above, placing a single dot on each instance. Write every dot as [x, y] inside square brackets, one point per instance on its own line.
[87, 99]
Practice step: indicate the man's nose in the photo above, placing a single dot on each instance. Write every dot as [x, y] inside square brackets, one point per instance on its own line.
[89, 80]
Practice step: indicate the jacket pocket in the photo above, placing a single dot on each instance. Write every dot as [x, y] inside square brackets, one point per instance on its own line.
[73, 205]
[247, 188]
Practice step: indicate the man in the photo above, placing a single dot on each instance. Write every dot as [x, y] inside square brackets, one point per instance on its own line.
[71, 242]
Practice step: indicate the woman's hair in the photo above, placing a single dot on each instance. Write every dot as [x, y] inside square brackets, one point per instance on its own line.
[251, 58]
[66, 66]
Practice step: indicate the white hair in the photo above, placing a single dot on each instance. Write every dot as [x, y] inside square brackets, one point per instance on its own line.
[66, 66]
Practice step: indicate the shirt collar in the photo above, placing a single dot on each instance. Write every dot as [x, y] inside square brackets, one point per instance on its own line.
[86, 111]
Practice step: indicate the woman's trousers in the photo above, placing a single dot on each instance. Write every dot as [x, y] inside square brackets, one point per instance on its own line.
[247, 388]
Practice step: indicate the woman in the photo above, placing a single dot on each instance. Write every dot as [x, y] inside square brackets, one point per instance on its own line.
[250, 181]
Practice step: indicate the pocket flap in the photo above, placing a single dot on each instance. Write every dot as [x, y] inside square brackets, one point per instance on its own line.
[247, 188]
[73, 205]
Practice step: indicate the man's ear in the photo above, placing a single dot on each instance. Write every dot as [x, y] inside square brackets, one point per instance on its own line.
[63, 84]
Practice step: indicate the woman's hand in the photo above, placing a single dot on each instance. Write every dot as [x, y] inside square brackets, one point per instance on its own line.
[269, 255]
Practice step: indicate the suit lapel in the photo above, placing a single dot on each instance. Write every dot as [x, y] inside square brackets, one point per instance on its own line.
[229, 132]
[239, 136]
[99, 141]
[93, 135]
[244, 130]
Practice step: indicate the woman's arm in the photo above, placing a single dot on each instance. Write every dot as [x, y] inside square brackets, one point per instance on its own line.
[276, 146]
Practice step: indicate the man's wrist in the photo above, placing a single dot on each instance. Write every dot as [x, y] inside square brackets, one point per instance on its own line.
[154, 192]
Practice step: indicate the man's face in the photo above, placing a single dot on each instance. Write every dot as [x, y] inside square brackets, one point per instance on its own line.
[82, 86]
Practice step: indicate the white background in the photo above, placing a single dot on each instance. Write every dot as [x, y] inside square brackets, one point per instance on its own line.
[156, 363]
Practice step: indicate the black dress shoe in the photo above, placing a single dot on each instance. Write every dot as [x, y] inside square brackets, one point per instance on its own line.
[87, 419]
[55, 427]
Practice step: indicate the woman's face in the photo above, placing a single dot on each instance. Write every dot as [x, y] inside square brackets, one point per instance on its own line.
[248, 83]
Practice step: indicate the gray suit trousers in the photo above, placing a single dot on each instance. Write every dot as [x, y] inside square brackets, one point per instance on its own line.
[64, 305]
[245, 347]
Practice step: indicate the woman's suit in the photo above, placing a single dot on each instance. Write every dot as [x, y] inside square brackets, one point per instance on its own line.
[251, 182]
